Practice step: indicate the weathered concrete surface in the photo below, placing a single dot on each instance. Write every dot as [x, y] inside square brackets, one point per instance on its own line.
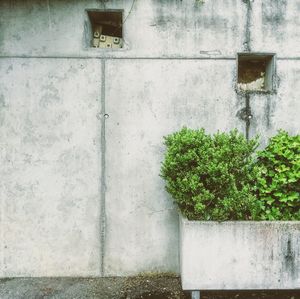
[177, 68]
[272, 112]
[142, 222]
[50, 167]
[275, 27]
[237, 255]
[152, 29]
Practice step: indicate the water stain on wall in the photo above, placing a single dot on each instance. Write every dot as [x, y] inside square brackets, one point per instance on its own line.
[274, 17]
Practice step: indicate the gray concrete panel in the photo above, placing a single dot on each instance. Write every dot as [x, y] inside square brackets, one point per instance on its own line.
[50, 159]
[146, 100]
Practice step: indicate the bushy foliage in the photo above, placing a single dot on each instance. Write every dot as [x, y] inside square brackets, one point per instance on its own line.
[210, 177]
[214, 177]
[278, 184]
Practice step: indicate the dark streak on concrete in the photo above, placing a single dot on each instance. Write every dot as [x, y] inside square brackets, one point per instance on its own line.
[274, 17]
[2, 101]
[10, 68]
[274, 12]
[247, 41]
[248, 115]
[5, 280]
[290, 259]
[245, 114]
[86, 39]
[3, 105]
[247, 48]
[1, 36]
[268, 112]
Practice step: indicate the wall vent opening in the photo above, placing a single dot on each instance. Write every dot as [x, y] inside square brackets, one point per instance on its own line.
[107, 29]
[255, 72]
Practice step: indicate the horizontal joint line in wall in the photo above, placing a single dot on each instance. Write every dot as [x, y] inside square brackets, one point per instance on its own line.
[121, 58]
[131, 58]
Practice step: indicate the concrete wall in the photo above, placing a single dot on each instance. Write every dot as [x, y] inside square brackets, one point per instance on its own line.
[82, 128]
[50, 167]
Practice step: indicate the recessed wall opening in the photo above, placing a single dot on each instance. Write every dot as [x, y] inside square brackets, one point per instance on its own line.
[255, 72]
[107, 29]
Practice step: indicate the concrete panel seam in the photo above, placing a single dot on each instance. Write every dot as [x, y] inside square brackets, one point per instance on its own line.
[118, 58]
[2, 260]
[134, 58]
[103, 170]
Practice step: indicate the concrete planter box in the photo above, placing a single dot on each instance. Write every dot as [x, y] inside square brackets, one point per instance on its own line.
[238, 255]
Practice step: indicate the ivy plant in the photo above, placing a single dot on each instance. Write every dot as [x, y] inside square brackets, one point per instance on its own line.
[278, 182]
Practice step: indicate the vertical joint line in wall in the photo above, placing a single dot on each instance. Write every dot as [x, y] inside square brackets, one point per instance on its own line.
[247, 42]
[2, 225]
[248, 115]
[103, 172]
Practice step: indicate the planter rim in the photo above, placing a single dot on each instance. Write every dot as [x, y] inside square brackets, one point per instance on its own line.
[255, 222]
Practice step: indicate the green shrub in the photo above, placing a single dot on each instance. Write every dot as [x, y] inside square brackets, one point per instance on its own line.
[211, 177]
[278, 184]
